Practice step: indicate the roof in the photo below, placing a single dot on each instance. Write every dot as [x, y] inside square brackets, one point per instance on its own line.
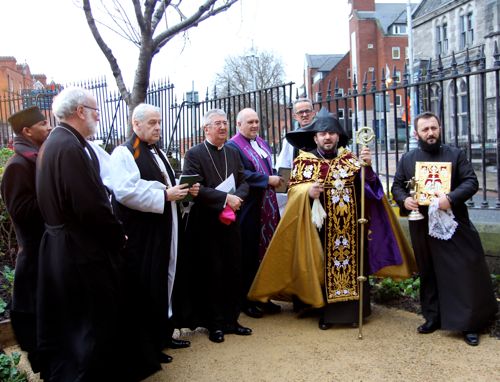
[387, 14]
[427, 6]
[323, 62]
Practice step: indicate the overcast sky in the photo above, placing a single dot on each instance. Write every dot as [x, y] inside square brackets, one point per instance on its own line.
[54, 39]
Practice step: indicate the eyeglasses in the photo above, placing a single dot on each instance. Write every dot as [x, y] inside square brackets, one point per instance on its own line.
[304, 112]
[92, 108]
[219, 124]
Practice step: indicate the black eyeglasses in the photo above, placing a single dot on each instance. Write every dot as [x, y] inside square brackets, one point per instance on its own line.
[92, 108]
[304, 112]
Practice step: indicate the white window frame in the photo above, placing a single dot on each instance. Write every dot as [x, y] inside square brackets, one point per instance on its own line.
[396, 52]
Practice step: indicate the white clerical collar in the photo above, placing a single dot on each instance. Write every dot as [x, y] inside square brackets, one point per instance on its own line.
[257, 148]
[218, 147]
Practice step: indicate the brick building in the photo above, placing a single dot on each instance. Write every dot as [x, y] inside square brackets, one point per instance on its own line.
[378, 43]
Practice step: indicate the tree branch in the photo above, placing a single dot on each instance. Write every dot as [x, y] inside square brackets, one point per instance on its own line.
[113, 63]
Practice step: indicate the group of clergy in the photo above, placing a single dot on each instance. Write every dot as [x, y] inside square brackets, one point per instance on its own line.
[99, 232]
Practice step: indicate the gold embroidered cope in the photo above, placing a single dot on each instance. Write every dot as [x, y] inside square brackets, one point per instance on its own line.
[341, 229]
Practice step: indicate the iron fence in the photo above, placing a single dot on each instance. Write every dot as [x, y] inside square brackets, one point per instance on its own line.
[463, 92]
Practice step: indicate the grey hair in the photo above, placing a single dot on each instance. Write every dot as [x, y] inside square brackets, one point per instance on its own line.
[300, 100]
[67, 101]
[207, 118]
[142, 110]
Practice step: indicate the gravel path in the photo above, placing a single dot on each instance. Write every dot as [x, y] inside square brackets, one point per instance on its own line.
[286, 348]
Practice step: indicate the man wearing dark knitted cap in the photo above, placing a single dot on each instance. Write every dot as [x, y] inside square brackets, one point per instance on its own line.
[314, 254]
[19, 195]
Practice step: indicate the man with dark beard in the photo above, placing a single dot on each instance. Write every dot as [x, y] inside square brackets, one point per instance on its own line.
[315, 262]
[19, 195]
[455, 287]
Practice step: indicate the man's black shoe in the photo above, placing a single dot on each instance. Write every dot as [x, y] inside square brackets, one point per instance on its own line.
[323, 325]
[471, 338]
[253, 311]
[178, 344]
[164, 358]
[238, 330]
[270, 307]
[216, 336]
[428, 327]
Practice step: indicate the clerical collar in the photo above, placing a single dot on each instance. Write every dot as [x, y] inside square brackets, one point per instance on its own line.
[217, 147]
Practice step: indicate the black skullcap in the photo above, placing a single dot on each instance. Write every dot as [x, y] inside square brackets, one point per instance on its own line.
[25, 118]
[303, 138]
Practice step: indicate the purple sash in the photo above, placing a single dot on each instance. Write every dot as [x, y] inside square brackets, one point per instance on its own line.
[269, 213]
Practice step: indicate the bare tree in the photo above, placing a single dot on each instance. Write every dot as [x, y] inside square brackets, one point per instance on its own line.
[250, 71]
[144, 28]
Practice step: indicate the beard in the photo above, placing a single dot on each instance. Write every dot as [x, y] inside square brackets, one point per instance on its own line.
[430, 147]
[91, 125]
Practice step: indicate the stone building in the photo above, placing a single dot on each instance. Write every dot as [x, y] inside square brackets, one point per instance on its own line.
[447, 30]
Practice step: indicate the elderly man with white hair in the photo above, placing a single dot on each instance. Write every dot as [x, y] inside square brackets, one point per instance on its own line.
[80, 294]
[146, 196]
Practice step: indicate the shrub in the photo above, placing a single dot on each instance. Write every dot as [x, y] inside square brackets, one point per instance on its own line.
[9, 371]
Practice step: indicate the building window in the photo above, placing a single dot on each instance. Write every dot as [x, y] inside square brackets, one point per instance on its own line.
[340, 113]
[407, 52]
[399, 29]
[466, 30]
[442, 39]
[348, 73]
[371, 69]
[340, 92]
[318, 77]
[398, 76]
[398, 100]
[461, 111]
[444, 46]
[318, 97]
[396, 54]
[370, 46]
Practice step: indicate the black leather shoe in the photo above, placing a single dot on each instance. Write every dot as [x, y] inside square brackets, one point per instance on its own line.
[239, 330]
[428, 327]
[164, 358]
[323, 325]
[270, 308]
[216, 336]
[253, 311]
[471, 338]
[178, 344]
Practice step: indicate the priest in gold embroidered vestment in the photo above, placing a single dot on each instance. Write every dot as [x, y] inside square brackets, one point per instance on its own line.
[314, 255]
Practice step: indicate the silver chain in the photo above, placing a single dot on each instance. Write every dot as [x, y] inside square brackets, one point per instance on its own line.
[213, 163]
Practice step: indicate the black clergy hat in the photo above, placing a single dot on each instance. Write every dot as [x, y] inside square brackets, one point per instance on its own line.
[25, 118]
[303, 138]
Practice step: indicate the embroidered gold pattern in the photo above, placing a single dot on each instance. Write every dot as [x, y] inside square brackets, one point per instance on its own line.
[341, 229]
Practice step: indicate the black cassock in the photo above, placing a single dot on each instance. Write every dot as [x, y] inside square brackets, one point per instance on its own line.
[79, 285]
[147, 252]
[455, 287]
[19, 195]
[209, 270]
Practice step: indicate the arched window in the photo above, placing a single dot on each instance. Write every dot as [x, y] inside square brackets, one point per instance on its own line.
[466, 27]
[458, 111]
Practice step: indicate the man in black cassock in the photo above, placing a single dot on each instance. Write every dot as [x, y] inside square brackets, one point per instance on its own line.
[212, 263]
[455, 286]
[19, 194]
[145, 192]
[79, 282]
